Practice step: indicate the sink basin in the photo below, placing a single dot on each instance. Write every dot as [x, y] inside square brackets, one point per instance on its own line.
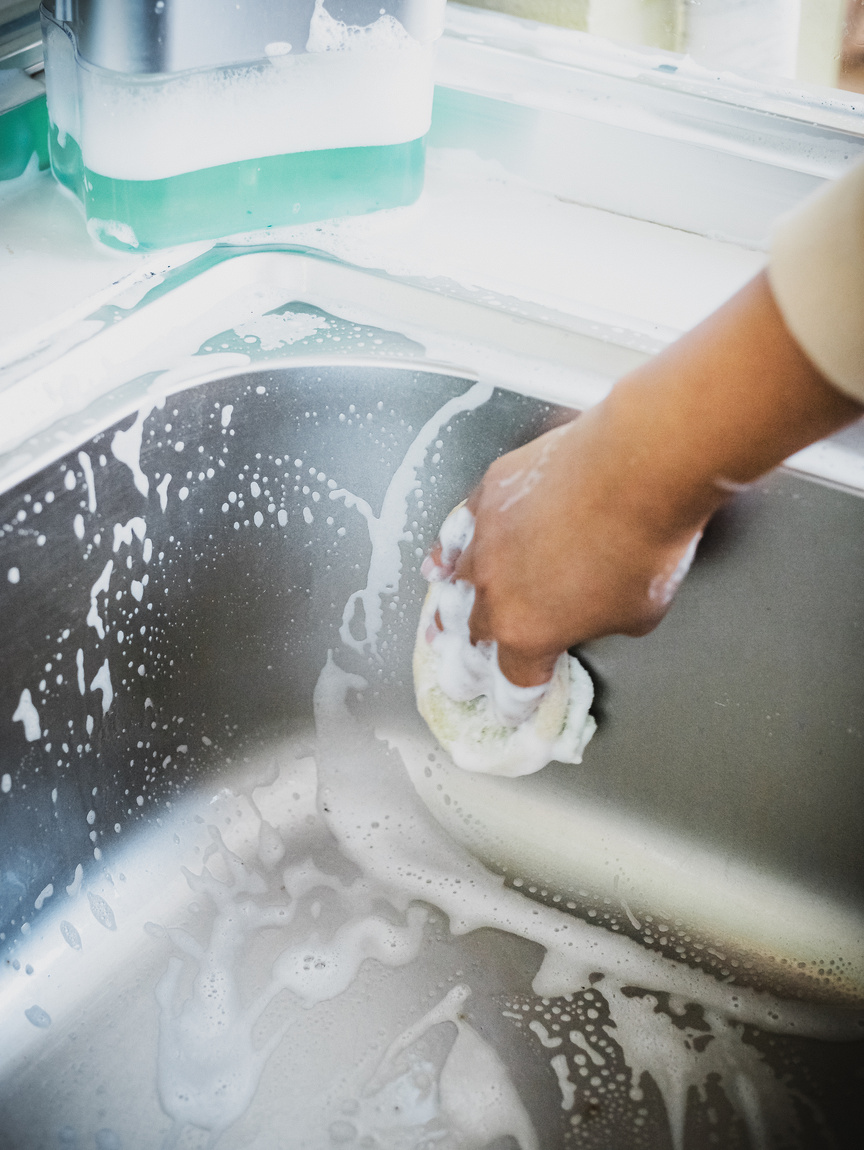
[247, 901]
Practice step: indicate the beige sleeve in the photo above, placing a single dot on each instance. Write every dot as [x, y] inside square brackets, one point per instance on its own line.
[816, 270]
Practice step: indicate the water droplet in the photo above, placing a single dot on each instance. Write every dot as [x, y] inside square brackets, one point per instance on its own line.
[102, 912]
[70, 934]
[38, 1017]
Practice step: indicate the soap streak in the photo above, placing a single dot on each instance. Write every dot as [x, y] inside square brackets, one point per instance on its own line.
[387, 529]
[126, 446]
[87, 468]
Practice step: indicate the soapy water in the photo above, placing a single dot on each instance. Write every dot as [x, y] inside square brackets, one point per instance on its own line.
[395, 864]
[332, 917]
[208, 1065]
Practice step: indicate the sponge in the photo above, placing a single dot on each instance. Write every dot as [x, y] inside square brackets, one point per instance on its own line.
[484, 722]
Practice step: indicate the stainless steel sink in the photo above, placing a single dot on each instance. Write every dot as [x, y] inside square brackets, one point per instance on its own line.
[229, 918]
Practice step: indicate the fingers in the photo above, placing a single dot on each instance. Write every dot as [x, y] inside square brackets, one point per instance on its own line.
[522, 665]
[433, 568]
[525, 671]
[446, 553]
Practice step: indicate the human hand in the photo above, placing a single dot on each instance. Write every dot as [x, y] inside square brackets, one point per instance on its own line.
[561, 552]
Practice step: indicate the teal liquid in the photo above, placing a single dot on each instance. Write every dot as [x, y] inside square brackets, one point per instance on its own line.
[249, 194]
[23, 132]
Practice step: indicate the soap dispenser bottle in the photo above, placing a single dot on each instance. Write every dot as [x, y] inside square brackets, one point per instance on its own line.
[179, 120]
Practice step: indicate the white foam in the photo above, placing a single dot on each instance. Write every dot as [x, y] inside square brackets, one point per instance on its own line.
[567, 1088]
[478, 1101]
[209, 1063]
[351, 89]
[486, 723]
[126, 446]
[26, 714]
[387, 529]
[162, 489]
[123, 532]
[44, 894]
[327, 34]
[506, 729]
[87, 468]
[100, 587]
[359, 782]
[551, 1043]
[102, 682]
[275, 331]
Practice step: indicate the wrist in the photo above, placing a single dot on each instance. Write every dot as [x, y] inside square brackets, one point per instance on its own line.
[656, 482]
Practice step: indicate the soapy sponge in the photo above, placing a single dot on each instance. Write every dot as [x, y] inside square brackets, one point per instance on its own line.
[482, 720]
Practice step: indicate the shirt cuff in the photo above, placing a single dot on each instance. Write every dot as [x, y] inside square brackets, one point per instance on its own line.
[816, 271]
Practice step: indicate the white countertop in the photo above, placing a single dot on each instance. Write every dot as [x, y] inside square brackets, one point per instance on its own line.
[474, 225]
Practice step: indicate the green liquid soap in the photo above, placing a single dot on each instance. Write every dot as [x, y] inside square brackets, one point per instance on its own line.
[23, 132]
[243, 196]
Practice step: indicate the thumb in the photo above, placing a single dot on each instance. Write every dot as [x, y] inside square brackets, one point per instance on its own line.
[526, 670]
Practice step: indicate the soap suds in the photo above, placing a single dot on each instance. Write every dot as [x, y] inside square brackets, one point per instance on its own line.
[275, 331]
[28, 716]
[123, 532]
[485, 722]
[44, 894]
[477, 1100]
[358, 87]
[100, 587]
[162, 489]
[126, 446]
[102, 682]
[326, 34]
[387, 529]
[208, 1064]
[87, 468]
[567, 1088]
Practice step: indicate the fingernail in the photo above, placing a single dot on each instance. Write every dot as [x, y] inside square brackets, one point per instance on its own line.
[434, 572]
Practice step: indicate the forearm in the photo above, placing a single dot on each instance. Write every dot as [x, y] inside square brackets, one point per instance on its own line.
[724, 404]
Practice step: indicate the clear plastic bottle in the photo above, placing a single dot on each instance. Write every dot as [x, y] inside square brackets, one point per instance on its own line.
[335, 128]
